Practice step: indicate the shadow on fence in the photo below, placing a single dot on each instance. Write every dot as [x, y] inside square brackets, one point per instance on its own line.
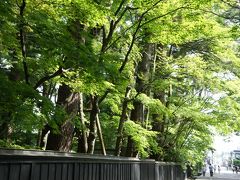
[45, 165]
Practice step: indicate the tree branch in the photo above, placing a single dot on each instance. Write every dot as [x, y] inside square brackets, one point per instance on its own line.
[104, 96]
[152, 7]
[235, 6]
[104, 37]
[136, 31]
[184, 102]
[23, 41]
[117, 39]
[188, 133]
[131, 45]
[219, 15]
[46, 78]
[163, 15]
[119, 7]
[113, 25]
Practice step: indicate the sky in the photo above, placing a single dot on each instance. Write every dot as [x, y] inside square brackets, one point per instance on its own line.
[223, 146]
[226, 144]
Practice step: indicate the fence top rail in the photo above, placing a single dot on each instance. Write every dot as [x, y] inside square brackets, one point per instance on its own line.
[167, 163]
[29, 155]
[39, 153]
[33, 154]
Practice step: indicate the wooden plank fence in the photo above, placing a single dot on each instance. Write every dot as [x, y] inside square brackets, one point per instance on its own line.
[47, 165]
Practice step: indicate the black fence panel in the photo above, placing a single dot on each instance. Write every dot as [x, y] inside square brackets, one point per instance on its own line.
[147, 170]
[168, 171]
[47, 165]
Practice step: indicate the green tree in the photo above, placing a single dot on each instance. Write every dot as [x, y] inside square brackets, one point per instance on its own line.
[151, 78]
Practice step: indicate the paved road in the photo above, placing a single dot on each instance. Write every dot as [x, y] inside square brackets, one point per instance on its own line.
[224, 175]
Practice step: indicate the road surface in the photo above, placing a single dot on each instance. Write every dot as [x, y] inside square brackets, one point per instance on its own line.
[223, 175]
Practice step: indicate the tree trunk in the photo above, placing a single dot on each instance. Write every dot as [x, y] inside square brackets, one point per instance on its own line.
[43, 136]
[130, 151]
[159, 122]
[43, 132]
[158, 125]
[100, 136]
[14, 75]
[95, 127]
[92, 126]
[69, 102]
[23, 41]
[143, 77]
[81, 133]
[5, 130]
[136, 116]
[123, 118]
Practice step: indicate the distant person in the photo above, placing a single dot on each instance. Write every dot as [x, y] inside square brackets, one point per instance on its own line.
[211, 169]
[219, 169]
[236, 169]
[189, 171]
[204, 170]
[215, 168]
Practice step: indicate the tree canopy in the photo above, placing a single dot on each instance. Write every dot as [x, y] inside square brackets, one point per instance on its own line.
[151, 78]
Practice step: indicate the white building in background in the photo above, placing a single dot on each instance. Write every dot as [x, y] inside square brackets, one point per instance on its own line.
[223, 147]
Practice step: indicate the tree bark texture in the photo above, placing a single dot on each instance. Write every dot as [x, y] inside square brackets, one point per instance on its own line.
[69, 102]
[5, 131]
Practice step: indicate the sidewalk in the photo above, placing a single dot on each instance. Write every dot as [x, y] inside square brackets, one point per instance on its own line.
[224, 175]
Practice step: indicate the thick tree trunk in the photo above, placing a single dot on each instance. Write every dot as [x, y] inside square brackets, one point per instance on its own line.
[5, 130]
[130, 151]
[69, 102]
[53, 141]
[159, 122]
[43, 136]
[138, 113]
[66, 136]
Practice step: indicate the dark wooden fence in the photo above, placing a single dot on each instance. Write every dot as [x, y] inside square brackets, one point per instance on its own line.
[42, 165]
